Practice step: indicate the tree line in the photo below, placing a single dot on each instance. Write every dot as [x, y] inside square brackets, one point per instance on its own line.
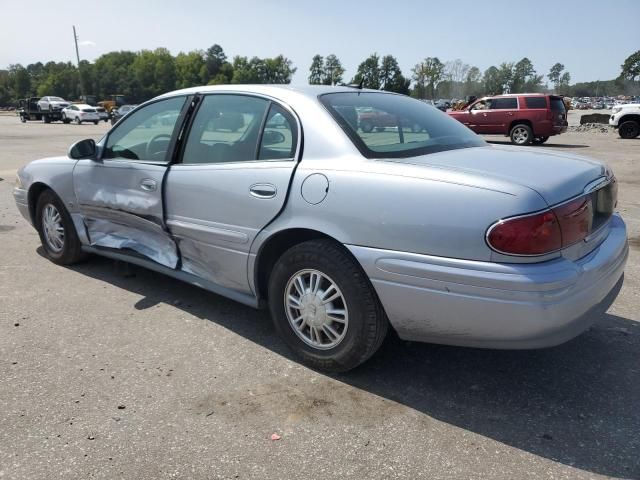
[144, 74]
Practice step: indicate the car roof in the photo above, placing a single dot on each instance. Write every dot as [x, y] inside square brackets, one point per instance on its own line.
[82, 105]
[282, 92]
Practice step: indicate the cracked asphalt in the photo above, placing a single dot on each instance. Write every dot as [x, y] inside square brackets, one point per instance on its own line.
[112, 371]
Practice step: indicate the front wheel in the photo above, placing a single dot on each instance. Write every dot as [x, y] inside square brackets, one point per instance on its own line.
[324, 306]
[521, 134]
[629, 129]
[23, 119]
[57, 232]
[77, 121]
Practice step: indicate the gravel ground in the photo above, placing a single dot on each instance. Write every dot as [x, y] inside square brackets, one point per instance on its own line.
[115, 372]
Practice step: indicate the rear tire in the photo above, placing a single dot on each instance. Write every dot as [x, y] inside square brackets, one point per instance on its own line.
[629, 129]
[57, 232]
[521, 134]
[344, 313]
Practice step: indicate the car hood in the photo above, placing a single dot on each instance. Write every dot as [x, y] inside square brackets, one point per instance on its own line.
[555, 176]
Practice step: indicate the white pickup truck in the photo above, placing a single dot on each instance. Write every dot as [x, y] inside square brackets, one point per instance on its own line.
[626, 118]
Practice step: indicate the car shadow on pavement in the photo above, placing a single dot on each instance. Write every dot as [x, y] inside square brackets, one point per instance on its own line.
[544, 145]
[576, 404]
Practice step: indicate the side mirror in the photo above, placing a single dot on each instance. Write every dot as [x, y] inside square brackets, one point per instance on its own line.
[271, 137]
[83, 149]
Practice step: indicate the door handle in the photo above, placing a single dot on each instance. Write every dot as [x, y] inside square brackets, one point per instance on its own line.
[263, 190]
[148, 185]
[510, 114]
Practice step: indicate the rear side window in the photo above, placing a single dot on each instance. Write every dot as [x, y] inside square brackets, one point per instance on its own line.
[384, 125]
[536, 102]
[557, 105]
[279, 137]
[504, 103]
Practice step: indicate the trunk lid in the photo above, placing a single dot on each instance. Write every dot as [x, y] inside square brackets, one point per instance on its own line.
[555, 176]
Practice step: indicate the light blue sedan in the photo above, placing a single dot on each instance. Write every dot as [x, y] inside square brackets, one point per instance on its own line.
[274, 195]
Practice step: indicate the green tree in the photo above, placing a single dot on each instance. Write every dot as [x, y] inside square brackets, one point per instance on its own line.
[369, 72]
[316, 70]
[20, 82]
[189, 69]
[556, 76]
[391, 78]
[427, 74]
[114, 74]
[277, 70]
[333, 70]
[215, 58]
[492, 81]
[631, 67]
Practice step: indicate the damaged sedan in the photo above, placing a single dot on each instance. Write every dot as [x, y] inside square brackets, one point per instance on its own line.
[277, 196]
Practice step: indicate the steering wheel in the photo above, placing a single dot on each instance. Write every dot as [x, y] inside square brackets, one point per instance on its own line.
[157, 146]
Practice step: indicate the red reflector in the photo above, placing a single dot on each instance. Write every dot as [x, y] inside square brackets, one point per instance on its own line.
[576, 220]
[531, 235]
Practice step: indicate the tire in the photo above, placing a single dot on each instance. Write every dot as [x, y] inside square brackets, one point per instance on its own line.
[65, 120]
[96, 122]
[521, 134]
[540, 140]
[629, 129]
[23, 119]
[363, 326]
[46, 119]
[70, 251]
[77, 121]
[366, 127]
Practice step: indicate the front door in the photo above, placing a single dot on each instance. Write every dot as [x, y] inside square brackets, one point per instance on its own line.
[231, 181]
[120, 194]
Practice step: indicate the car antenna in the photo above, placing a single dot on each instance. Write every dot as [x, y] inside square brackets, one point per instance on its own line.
[356, 85]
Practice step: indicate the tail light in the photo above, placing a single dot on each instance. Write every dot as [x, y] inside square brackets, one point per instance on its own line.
[546, 231]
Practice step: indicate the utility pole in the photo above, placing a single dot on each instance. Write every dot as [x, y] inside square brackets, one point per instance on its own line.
[75, 39]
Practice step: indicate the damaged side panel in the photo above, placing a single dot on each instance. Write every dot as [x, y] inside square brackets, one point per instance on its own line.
[121, 203]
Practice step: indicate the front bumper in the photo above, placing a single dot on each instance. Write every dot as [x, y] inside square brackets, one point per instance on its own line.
[496, 305]
[22, 202]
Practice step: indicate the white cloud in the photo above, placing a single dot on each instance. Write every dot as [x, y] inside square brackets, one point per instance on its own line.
[87, 43]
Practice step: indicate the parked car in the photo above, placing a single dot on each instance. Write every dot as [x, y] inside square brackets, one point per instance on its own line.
[79, 114]
[525, 117]
[626, 119]
[52, 104]
[435, 234]
[102, 114]
[371, 118]
[118, 113]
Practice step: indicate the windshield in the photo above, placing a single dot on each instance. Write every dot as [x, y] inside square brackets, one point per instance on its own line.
[384, 125]
[557, 104]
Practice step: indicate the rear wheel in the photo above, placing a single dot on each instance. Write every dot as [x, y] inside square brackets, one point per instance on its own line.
[629, 129]
[521, 134]
[324, 306]
[540, 140]
[57, 232]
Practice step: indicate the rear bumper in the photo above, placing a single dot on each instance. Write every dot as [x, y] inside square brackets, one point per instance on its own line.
[493, 305]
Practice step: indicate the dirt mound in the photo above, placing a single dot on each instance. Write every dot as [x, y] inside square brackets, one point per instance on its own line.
[591, 128]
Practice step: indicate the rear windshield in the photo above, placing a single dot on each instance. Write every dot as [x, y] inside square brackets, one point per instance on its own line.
[88, 110]
[384, 125]
[557, 104]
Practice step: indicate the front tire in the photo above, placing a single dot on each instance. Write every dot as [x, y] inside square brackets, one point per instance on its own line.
[324, 306]
[57, 233]
[629, 129]
[521, 134]
[77, 121]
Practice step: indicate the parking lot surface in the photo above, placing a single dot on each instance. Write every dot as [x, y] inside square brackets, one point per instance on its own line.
[109, 371]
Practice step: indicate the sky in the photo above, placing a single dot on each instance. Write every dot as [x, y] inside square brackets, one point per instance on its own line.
[591, 38]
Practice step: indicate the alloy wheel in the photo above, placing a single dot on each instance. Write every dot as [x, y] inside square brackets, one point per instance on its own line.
[316, 309]
[53, 228]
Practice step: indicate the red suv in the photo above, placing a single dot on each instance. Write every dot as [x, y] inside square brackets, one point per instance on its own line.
[525, 117]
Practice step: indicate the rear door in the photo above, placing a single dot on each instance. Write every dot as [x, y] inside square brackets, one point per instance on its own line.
[231, 181]
[120, 195]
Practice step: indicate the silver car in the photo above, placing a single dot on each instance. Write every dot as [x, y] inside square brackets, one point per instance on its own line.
[52, 104]
[274, 195]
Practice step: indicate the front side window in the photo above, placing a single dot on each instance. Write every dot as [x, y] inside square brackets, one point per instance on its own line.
[145, 135]
[383, 125]
[226, 129]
